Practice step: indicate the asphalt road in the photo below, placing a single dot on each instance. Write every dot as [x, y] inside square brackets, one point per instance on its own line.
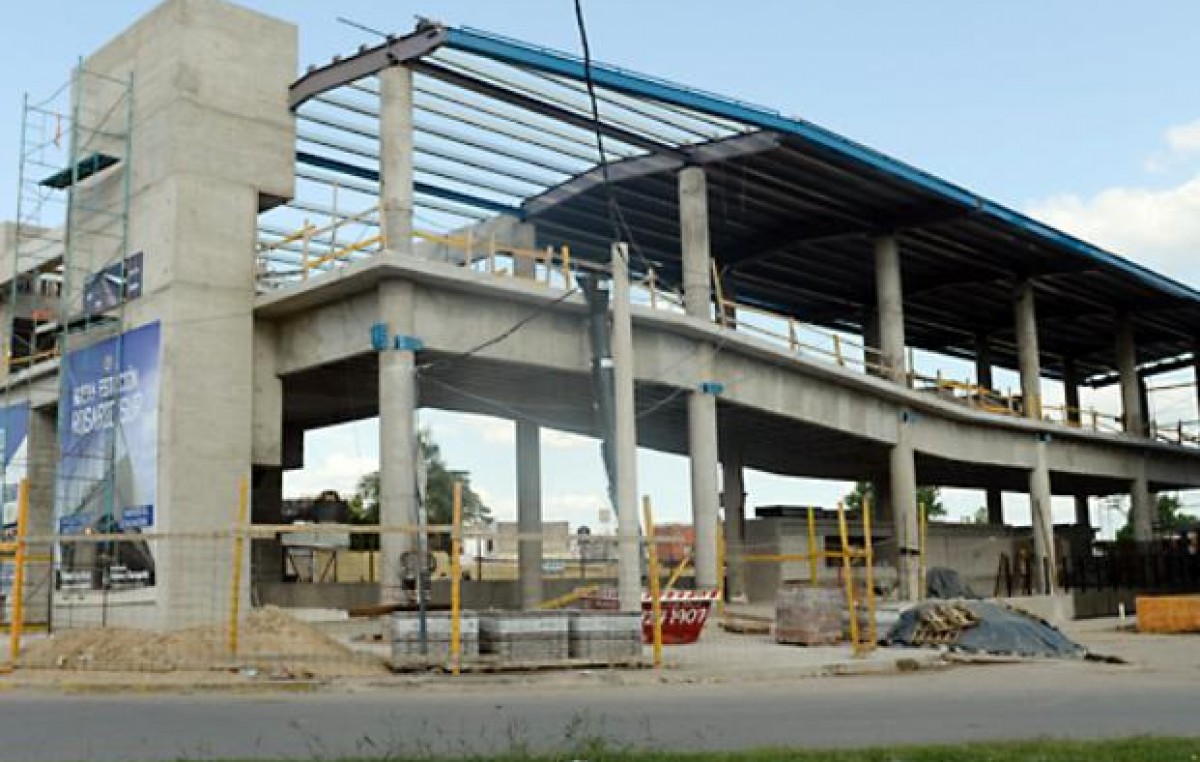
[965, 703]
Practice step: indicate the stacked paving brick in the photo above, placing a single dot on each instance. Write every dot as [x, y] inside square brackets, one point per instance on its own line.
[406, 636]
[524, 636]
[603, 636]
[809, 616]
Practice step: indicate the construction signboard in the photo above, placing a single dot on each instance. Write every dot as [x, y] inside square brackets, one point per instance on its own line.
[108, 459]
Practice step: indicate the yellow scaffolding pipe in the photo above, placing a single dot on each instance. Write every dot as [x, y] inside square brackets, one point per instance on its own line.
[239, 549]
[812, 547]
[848, 573]
[869, 553]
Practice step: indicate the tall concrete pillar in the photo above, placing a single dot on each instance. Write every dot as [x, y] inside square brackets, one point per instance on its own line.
[1029, 358]
[1131, 399]
[995, 507]
[733, 487]
[529, 513]
[1141, 509]
[870, 337]
[396, 157]
[904, 506]
[398, 445]
[42, 451]
[629, 564]
[207, 155]
[1144, 405]
[1043, 562]
[703, 463]
[694, 242]
[889, 294]
[1071, 391]
[702, 401]
[983, 361]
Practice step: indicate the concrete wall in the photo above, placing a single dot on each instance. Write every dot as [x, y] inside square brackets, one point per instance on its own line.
[213, 139]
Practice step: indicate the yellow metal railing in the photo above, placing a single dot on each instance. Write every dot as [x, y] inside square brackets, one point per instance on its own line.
[556, 268]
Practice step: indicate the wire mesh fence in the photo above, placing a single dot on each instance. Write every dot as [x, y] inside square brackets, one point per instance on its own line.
[321, 601]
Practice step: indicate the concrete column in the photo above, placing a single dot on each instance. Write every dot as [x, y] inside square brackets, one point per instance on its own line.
[1131, 400]
[983, 361]
[702, 451]
[42, 452]
[995, 507]
[870, 335]
[882, 507]
[1071, 391]
[629, 555]
[904, 505]
[396, 157]
[694, 240]
[1043, 562]
[702, 405]
[529, 513]
[1027, 348]
[1142, 509]
[1144, 405]
[524, 236]
[398, 446]
[733, 486]
[889, 296]
[1083, 516]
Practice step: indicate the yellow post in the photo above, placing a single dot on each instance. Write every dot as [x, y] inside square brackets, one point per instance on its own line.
[869, 552]
[651, 282]
[812, 547]
[716, 277]
[678, 571]
[655, 602]
[239, 546]
[18, 592]
[456, 582]
[837, 349]
[924, 534]
[792, 334]
[848, 573]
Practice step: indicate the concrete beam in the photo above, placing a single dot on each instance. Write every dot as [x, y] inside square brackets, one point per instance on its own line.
[396, 158]
[1141, 509]
[1028, 356]
[529, 513]
[889, 294]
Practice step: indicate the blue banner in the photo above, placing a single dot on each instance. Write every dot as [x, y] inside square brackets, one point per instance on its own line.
[14, 443]
[108, 451]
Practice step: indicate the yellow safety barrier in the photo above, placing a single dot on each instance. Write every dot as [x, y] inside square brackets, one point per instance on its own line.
[239, 550]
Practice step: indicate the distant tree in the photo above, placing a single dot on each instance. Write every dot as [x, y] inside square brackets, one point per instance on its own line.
[928, 497]
[980, 516]
[1168, 516]
[439, 492]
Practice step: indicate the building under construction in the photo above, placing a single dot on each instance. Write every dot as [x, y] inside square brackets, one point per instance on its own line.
[213, 255]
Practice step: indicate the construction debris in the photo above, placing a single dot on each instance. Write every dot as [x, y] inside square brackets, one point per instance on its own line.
[271, 643]
[981, 627]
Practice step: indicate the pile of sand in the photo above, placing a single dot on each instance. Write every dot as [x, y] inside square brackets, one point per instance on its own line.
[270, 643]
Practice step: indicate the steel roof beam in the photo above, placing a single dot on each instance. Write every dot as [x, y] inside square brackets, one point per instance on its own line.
[397, 50]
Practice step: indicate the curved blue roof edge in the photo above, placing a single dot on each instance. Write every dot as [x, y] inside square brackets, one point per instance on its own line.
[550, 61]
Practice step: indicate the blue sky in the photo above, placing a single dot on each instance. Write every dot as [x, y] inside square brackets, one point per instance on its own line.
[1086, 114]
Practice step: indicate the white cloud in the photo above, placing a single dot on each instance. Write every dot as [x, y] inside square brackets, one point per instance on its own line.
[1158, 227]
[335, 471]
[1184, 139]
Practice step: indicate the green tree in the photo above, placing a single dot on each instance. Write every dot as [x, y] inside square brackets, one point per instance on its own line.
[439, 493]
[928, 497]
[980, 516]
[1168, 516]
